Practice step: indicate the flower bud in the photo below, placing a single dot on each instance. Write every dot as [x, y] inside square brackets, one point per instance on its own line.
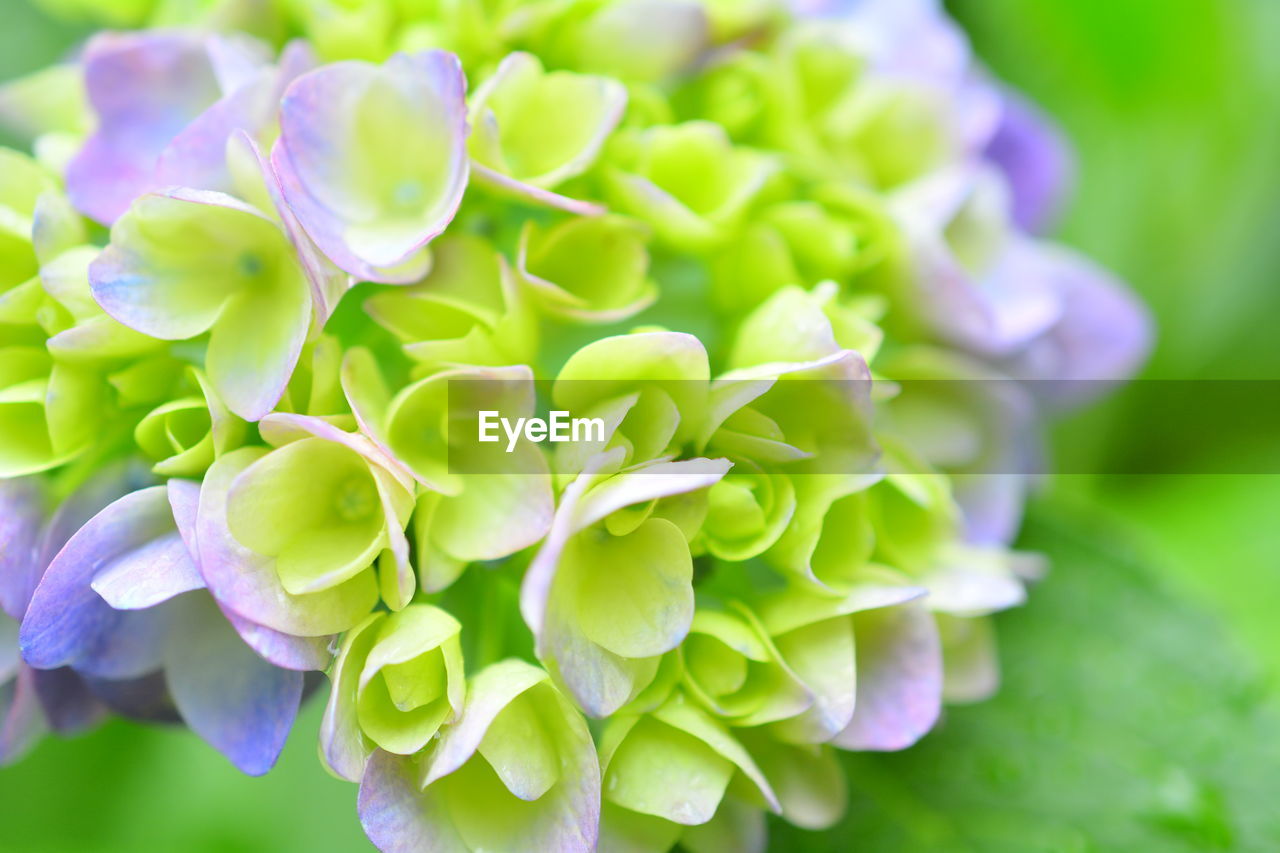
[397, 679]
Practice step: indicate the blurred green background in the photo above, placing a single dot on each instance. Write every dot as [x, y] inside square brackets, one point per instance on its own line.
[1139, 707]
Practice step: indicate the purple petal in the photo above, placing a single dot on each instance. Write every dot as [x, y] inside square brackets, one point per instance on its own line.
[993, 305]
[160, 569]
[164, 567]
[1031, 151]
[67, 623]
[910, 37]
[899, 689]
[145, 88]
[113, 482]
[992, 506]
[10, 659]
[373, 211]
[236, 58]
[242, 705]
[303, 654]
[1018, 304]
[197, 157]
[152, 574]
[145, 698]
[1103, 336]
[21, 722]
[184, 501]
[395, 815]
[70, 704]
[21, 515]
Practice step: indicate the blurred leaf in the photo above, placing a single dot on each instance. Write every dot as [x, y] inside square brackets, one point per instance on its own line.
[127, 788]
[1126, 722]
[30, 39]
[1218, 537]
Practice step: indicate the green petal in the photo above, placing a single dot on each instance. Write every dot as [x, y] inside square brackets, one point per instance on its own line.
[821, 655]
[470, 786]
[176, 435]
[21, 305]
[66, 278]
[642, 604]
[831, 537]
[715, 668]
[24, 182]
[314, 506]
[592, 269]
[174, 262]
[521, 750]
[971, 668]
[187, 261]
[466, 311]
[402, 732]
[256, 343]
[495, 515]
[635, 40]
[749, 510]
[510, 111]
[655, 364]
[736, 826]
[49, 100]
[808, 780]
[693, 720]
[101, 339]
[663, 771]
[75, 407]
[247, 581]
[625, 831]
[688, 181]
[419, 658]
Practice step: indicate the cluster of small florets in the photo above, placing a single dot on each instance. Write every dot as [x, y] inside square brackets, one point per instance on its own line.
[248, 257]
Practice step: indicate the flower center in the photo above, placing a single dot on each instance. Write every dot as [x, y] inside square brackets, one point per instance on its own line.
[357, 499]
[250, 264]
[408, 195]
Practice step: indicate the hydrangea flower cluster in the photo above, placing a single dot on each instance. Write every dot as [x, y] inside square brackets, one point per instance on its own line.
[256, 243]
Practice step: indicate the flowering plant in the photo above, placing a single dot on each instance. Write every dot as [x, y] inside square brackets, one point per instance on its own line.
[266, 256]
